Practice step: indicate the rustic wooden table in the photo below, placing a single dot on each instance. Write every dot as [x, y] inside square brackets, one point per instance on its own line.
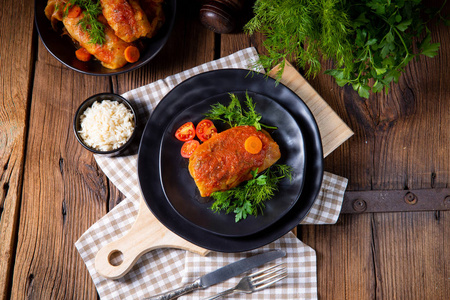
[391, 242]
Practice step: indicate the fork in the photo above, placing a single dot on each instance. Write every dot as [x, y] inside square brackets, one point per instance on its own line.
[256, 281]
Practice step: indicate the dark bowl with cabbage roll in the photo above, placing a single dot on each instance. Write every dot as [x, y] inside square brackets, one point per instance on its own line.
[63, 48]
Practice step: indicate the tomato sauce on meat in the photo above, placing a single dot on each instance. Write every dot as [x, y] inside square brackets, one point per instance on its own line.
[222, 162]
[127, 18]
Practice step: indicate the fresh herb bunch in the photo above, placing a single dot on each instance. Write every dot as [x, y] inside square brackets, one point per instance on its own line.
[89, 22]
[370, 42]
[235, 115]
[248, 199]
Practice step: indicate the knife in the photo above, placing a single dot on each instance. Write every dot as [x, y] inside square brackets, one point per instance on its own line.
[222, 274]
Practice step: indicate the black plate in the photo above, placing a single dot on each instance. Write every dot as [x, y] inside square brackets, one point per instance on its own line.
[194, 95]
[182, 193]
[63, 49]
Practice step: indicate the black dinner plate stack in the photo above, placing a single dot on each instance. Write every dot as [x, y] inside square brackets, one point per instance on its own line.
[170, 191]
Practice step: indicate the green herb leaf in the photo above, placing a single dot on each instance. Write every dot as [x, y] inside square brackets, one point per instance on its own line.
[363, 90]
[404, 25]
[235, 115]
[243, 211]
[430, 50]
[427, 48]
[249, 197]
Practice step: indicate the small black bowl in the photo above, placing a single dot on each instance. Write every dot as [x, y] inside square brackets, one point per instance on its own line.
[100, 97]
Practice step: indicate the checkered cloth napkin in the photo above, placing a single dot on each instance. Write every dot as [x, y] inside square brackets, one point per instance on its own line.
[165, 269]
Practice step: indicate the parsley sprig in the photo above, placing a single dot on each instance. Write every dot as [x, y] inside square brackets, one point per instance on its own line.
[249, 198]
[89, 22]
[235, 115]
[370, 42]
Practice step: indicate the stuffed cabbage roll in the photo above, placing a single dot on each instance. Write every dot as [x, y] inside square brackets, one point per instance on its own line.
[155, 14]
[54, 11]
[126, 18]
[222, 162]
[110, 54]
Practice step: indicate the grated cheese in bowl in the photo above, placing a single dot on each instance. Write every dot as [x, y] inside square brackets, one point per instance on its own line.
[106, 125]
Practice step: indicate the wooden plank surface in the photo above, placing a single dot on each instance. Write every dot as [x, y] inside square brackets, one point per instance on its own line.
[345, 264]
[382, 256]
[412, 263]
[64, 191]
[16, 58]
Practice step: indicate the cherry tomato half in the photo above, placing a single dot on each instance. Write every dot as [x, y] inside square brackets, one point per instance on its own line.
[186, 132]
[189, 147]
[205, 130]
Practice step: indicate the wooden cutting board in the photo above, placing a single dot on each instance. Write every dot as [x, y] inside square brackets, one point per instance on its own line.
[333, 131]
[147, 233]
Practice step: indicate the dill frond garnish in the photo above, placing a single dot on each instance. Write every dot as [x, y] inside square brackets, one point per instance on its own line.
[235, 115]
[89, 22]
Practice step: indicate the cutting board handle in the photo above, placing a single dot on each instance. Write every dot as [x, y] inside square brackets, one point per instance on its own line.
[146, 234]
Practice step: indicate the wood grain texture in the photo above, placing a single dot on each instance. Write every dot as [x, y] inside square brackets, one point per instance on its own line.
[382, 256]
[411, 255]
[230, 43]
[345, 266]
[16, 56]
[64, 191]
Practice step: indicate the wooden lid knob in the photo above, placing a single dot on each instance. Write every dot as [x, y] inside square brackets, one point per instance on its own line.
[221, 16]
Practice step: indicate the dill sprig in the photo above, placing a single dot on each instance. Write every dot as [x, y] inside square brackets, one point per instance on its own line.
[235, 115]
[89, 22]
[249, 198]
[370, 42]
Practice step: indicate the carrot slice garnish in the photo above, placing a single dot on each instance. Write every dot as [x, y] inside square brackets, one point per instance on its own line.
[74, 11]
[131, 54]
[82, 54]
[253, 144]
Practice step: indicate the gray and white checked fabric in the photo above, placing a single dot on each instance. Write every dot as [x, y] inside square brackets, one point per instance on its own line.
[164, 269]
